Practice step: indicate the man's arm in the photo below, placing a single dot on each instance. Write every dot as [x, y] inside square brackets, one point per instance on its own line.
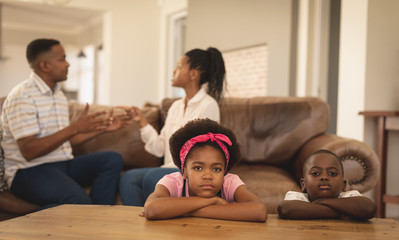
[32, 147]
[296, 209]
[114, 123]
[358, 207]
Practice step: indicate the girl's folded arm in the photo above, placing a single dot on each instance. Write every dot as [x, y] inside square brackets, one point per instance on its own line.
[160, 205]
[247, 207]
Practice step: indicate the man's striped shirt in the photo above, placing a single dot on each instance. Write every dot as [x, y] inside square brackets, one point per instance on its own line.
[32, 108]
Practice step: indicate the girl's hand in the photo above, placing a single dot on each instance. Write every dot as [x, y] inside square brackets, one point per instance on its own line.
[219, 201]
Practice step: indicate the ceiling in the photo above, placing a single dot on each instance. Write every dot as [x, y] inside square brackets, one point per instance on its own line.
[44, 16]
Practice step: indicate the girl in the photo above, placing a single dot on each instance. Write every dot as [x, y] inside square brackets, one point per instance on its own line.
[324, 194]
[205, 152]
[196, 68]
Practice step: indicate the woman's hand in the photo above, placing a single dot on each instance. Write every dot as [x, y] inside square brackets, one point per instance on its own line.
[118, 121]
[136, 114]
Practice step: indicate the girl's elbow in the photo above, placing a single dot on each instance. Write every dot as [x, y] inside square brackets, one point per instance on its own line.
[262, 213]
[150, 213]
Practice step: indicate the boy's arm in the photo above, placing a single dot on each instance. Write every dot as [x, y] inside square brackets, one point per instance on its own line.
[246, 208]
[358, 207]
[296, 209]
[160, 205]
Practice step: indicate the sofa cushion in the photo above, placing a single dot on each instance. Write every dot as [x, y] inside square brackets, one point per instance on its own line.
[269, 183]
[270, 130]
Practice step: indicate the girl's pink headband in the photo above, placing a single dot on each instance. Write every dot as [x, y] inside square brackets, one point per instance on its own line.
[203, 138]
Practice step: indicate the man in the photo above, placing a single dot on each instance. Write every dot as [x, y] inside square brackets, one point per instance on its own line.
[37, 138]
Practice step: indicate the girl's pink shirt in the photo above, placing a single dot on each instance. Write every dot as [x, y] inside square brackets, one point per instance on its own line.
[174, 183]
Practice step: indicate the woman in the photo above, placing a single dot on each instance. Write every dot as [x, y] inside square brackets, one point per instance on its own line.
[196, 68]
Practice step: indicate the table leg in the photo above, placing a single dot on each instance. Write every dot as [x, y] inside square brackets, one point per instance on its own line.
[382, 140]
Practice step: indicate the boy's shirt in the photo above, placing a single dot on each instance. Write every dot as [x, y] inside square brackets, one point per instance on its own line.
[293, 195]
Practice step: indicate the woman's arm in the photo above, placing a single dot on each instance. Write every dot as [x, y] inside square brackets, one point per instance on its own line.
[246, 208]
[358, 207]
[160, 205]
[154, 142]
[296, 209]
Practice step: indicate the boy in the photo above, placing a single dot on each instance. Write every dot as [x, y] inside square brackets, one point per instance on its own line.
[324, 195]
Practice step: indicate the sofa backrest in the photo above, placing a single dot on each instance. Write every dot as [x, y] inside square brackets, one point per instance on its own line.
[271, 129]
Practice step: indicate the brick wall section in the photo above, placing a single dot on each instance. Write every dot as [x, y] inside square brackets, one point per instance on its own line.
[246, 71]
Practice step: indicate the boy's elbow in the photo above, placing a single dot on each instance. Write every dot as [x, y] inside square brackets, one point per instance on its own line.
[281, 211]
[369, 212]
[284, 211]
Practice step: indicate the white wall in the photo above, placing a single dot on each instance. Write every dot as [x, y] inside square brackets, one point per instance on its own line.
[13, 70]
[382, 81]
[16, 69]
[369, 75]
[131, 45]
[231, 24]
[131, 30]
[352, 60]
[168, 7]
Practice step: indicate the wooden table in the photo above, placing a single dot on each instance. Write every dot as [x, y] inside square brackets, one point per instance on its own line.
[122, 222]
[387, 121]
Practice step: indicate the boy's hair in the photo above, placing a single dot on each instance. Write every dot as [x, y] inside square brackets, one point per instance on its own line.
[37, 47]
[198, 127]
[319, 152]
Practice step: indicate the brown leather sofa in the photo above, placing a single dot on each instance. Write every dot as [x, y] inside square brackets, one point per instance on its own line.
[275, 134]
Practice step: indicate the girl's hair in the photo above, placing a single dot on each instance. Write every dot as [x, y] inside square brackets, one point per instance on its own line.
[210, 64]
[203, 126]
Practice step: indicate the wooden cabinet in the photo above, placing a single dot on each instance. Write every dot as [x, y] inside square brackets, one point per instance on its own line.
[387, 121]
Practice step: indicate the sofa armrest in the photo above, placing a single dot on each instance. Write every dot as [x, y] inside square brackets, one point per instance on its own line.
[361, 164]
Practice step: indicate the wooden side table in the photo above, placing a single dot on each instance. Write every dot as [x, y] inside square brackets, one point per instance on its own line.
[387, 120]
